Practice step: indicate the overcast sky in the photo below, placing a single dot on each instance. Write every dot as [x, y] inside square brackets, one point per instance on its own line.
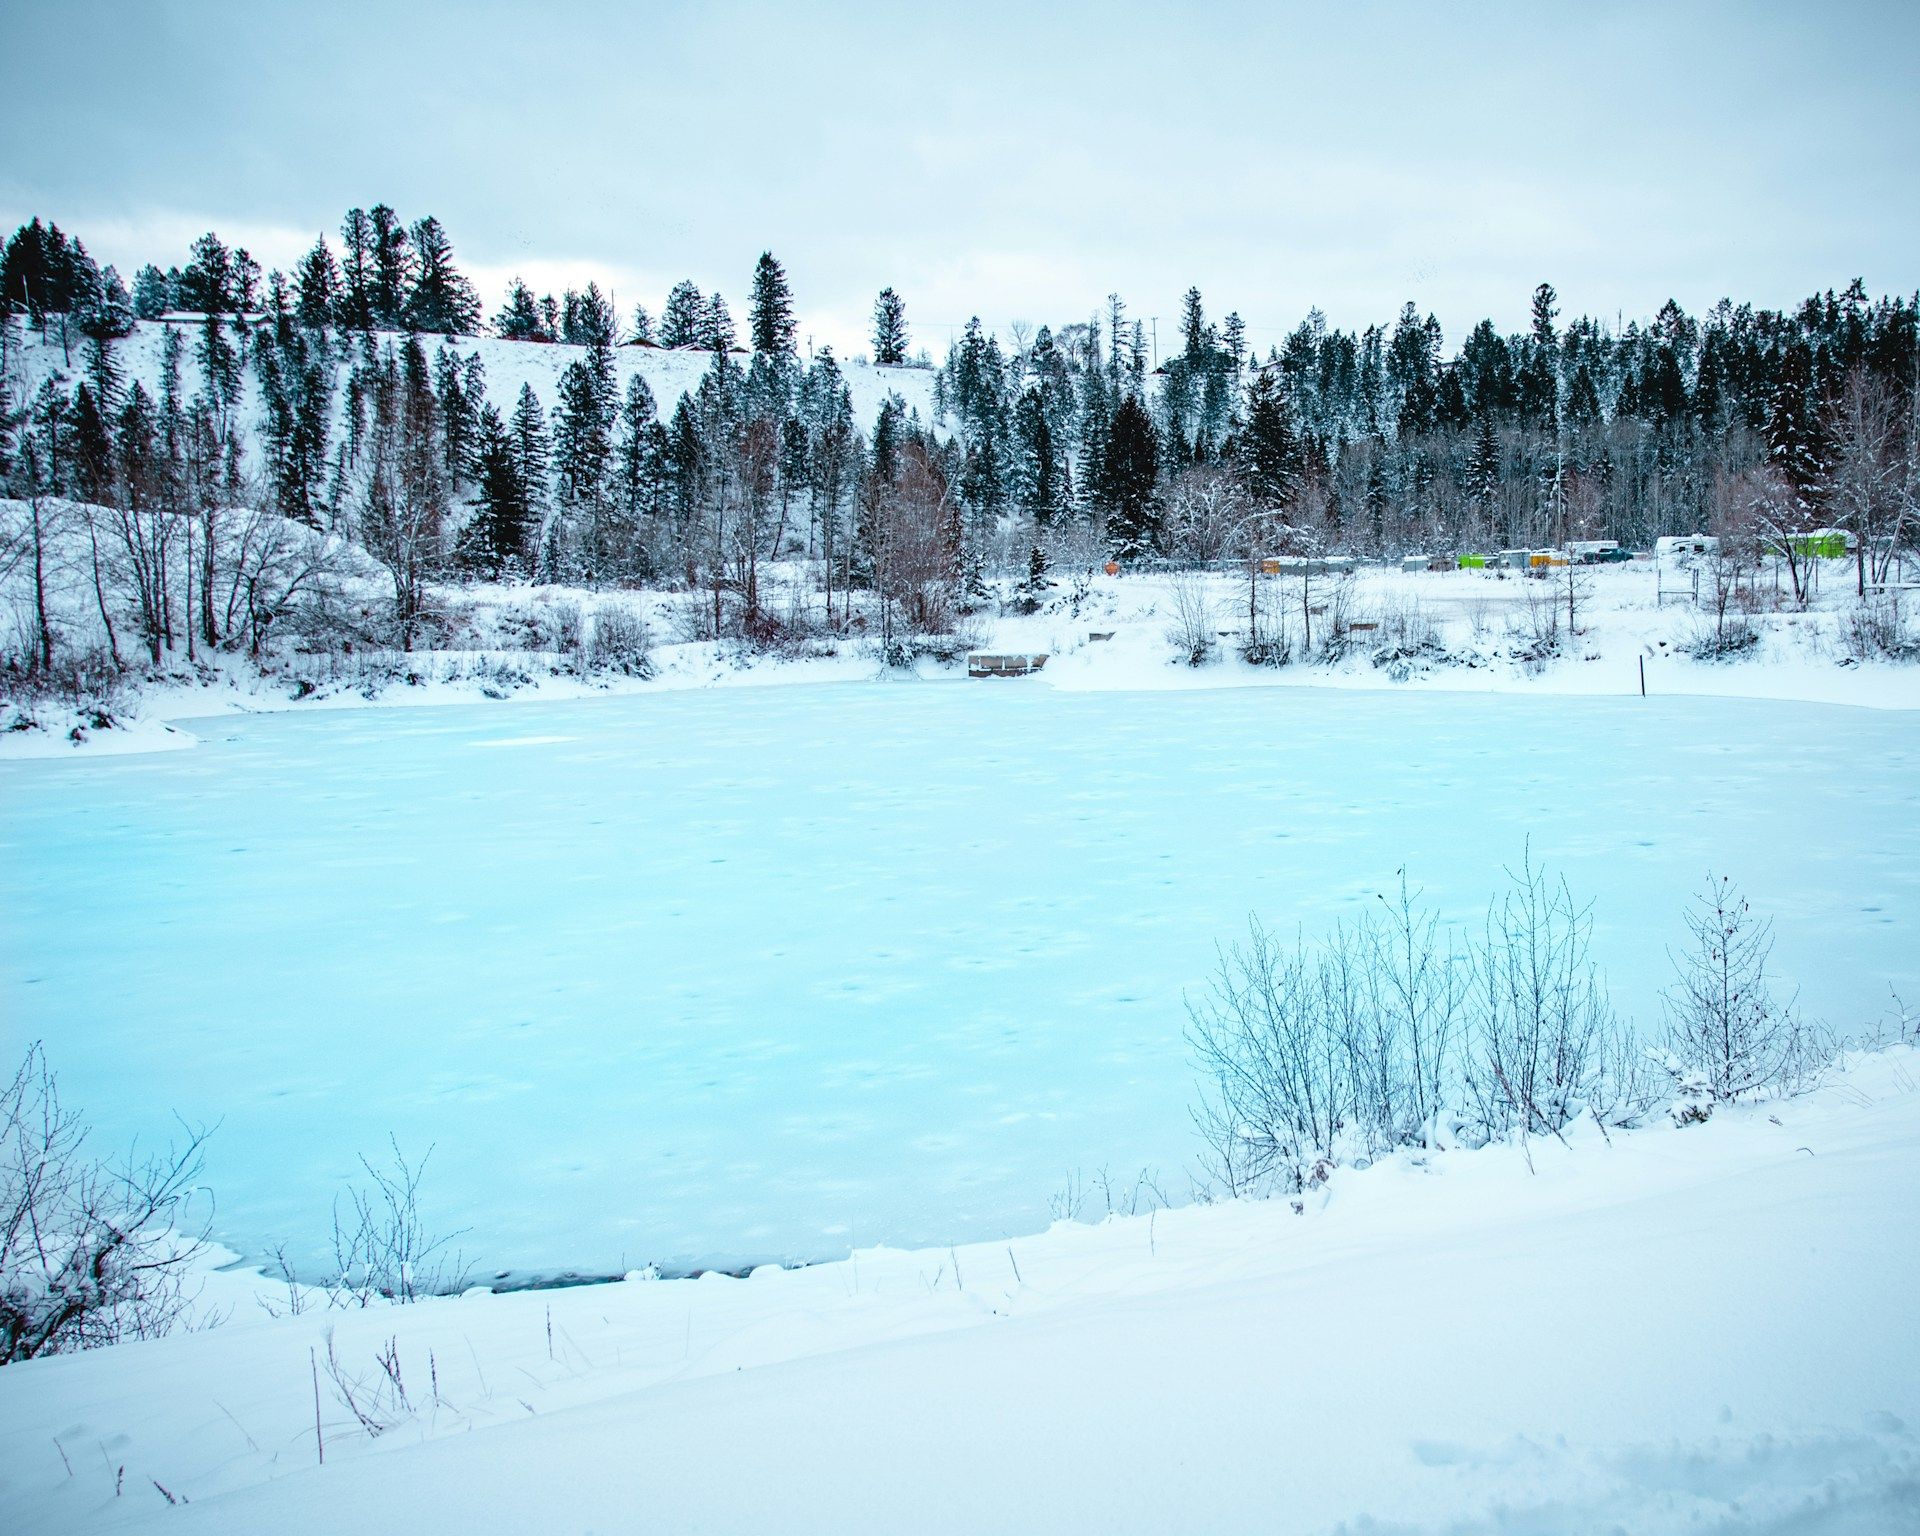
[1015, 161]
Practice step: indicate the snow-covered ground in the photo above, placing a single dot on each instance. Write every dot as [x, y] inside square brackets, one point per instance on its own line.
[1481, 624]
[771, 974]
[1676, 1331]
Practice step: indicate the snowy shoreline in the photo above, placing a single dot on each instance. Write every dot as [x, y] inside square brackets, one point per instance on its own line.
[1624, 635]
[1765, 1227]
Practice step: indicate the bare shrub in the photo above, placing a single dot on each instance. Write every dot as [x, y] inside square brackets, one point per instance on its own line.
[1416, 996]
[698, 616]
[1721, 635]
[1408, 639]
[966, 633]
[1534, 630]
[1724, 1025]
[1279, 1090]
[1192, 624]
[91, 1251]
[382, 1249]
[1727, 572]
[1395, 1031]
[569, 627]
[1082, 1194]
[1874, 628]
[1332, 636]
[1541, 1019]
[619, 641]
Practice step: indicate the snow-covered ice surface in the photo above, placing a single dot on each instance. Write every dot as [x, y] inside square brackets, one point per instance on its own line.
[709, 977]
[1671, 1333]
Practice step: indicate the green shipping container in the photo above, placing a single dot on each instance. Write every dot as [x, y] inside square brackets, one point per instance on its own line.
[1827, 544]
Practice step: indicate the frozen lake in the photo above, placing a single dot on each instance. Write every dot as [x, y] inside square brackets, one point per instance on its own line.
[708, 977]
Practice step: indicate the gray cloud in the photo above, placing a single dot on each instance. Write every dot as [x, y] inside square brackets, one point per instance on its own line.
[1017, 161]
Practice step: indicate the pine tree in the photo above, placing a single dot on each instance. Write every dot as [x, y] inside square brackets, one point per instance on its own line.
[532, 451]
[1269, 448]
[883, 454]
[638, 456]
[1484, 468]
[1411, 367]
[440, 300]
[582, 436]
[219, 365]
[1543, 315]
[152, 293]
[1129, 476]
[592, 324]
[1794, 442]
[716, 326]
[317, 288]
[210, 283]
[1043, 478]
[357, 271]
[107, 314]
[683, 320]
[459, 386]
[43, 273]
[393, 268]
[1235, 342]
[1193, 328]
[770, 310]
[90, 448]
[889, 329]
[1583, 398]
[103, 372]
[1037, 567]
[1486, 370]
[519, 318]
[1537, 387]
[495, 542]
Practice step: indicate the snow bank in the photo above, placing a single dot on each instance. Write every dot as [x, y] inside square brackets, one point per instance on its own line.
[1674, 1331]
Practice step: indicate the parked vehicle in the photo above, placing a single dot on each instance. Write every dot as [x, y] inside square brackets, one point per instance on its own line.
[1685, 545]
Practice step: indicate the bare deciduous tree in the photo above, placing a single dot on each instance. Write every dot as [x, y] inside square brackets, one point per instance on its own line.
[1864, 471]
[916, 553]
[1205, 508]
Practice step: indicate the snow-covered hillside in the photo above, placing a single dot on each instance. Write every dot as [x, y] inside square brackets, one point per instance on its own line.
[508, 365]
[1709, 1329]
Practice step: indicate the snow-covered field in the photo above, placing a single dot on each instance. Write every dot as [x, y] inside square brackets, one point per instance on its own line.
[712, 977]
[1677, 1331]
